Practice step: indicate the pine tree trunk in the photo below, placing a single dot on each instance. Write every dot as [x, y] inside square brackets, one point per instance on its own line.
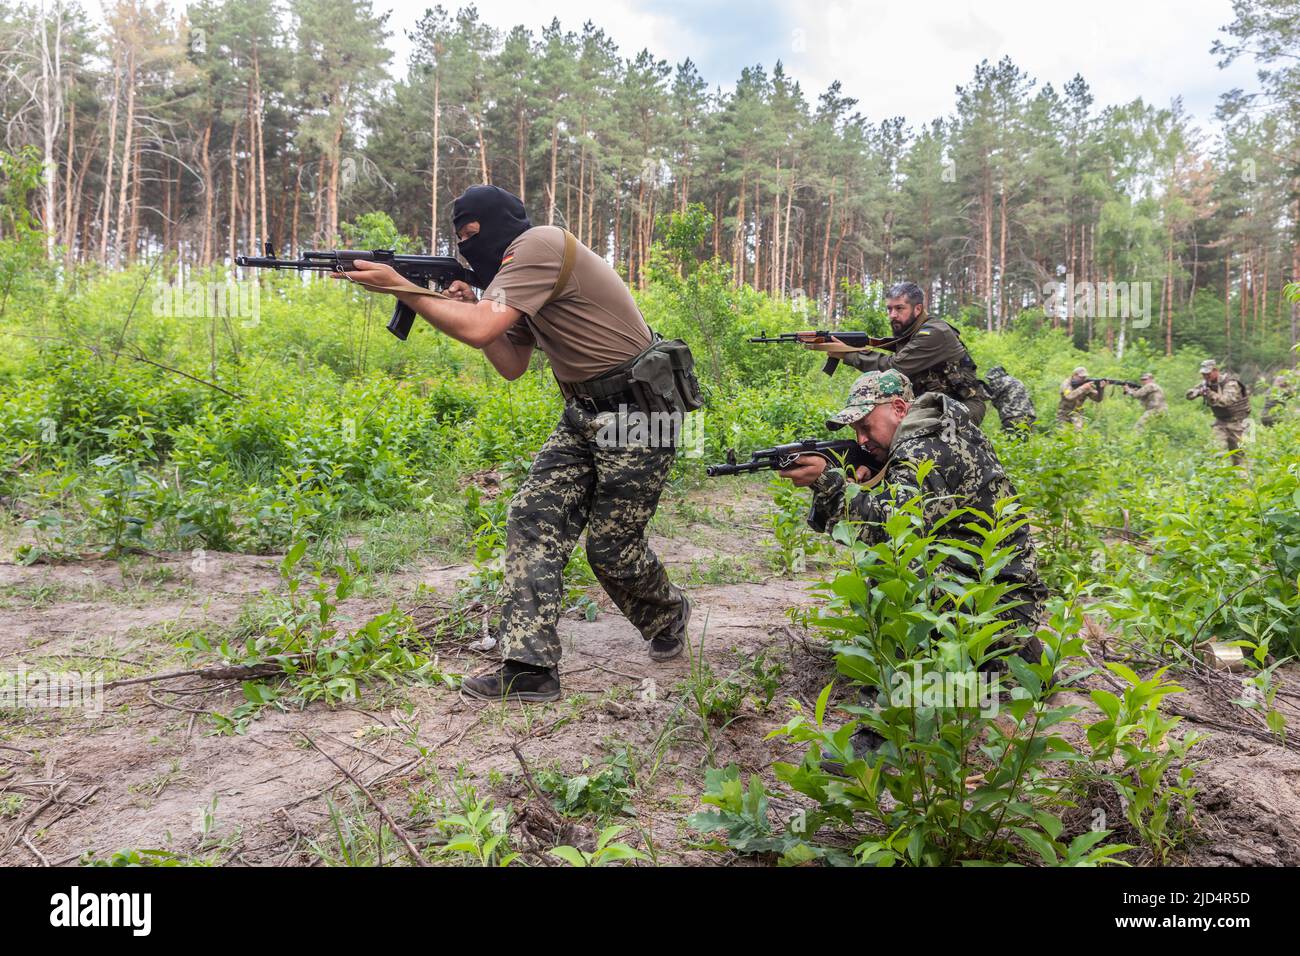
[127, 138]
[261, 146]
[107, 212]
[232, 187]
[433, 190]
[68, 220]
[209, 188]
[555, 148]
[1002, 262]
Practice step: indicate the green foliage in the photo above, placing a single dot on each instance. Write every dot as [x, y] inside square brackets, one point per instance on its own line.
[313, 659]
[606, 792]
[477, 833]
[607, 850]
[133, 858]
[966, 771]
[375, 230]
[1136, 735]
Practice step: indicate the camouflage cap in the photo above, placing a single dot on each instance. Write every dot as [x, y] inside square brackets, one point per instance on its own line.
[870, 390]
[1080, 372]
[1209, 365]
[1150, 375]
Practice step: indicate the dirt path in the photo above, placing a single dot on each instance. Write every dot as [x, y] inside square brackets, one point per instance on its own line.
[148, 772]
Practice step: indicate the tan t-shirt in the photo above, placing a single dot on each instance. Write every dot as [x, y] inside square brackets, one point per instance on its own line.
[594, 323]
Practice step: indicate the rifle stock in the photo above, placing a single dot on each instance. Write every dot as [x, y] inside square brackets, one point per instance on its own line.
[857, 340]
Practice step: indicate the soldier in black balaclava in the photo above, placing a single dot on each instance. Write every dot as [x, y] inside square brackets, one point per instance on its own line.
[542, 289]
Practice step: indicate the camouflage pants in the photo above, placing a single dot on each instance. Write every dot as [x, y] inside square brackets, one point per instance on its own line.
[1228, 435]
[612, 492]
[1146, 418]
[1071, 416]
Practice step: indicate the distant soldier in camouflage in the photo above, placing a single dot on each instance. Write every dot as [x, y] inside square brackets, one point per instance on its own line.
[891, 424]
[1279, 400]
[1152, 397]
[1010, 397]
[1227, 397]
[926, 349]
[1076, 391]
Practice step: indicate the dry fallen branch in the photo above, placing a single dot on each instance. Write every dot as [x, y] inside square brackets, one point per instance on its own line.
[392, 824]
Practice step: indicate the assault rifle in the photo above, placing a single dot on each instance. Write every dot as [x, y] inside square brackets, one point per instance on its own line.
[784, 456]
[420, 270]
[1103, 382]
[856, 340]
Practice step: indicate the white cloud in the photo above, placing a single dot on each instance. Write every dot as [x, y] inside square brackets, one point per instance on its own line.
[907, 58]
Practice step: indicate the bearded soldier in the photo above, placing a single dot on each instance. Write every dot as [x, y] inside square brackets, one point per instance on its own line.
[1075, 391]
[926, 349]
[542, 289]
[1010, 397]
[1152, 398]
[1226, 396]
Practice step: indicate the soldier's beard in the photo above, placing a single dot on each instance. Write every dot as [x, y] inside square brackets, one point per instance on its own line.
[900, 328]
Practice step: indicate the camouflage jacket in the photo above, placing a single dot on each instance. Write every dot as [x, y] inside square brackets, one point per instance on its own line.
[966, 474]
[1011, 399]
[1275, 406]
[1152, 397]
[934, 359]
[1073, 398]
[1226, 398]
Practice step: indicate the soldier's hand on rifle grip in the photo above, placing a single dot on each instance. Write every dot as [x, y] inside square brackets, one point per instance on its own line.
[461, 292]
[806, 470]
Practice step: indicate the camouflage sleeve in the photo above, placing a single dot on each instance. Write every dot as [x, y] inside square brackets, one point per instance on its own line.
[1195, 391]
[1141, 392]
[827, 502]
[1083, 391]
[1229, 393]
[870, 509]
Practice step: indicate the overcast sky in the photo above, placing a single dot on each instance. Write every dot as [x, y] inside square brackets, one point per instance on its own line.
[906, 58]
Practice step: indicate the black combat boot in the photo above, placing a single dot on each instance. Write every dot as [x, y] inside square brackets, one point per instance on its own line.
[666, 648]
[514, 680]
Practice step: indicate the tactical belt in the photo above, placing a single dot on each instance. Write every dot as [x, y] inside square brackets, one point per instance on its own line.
[606, 392]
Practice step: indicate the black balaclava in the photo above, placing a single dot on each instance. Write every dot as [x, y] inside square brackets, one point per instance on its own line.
[501, 219]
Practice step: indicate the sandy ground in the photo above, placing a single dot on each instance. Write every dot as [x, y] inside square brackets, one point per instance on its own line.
[149, 773]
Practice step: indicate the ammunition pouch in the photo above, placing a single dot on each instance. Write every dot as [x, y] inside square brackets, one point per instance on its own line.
[659, 379]
[663, 378]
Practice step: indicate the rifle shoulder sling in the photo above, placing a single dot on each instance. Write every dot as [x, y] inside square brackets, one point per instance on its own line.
[567, 262]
